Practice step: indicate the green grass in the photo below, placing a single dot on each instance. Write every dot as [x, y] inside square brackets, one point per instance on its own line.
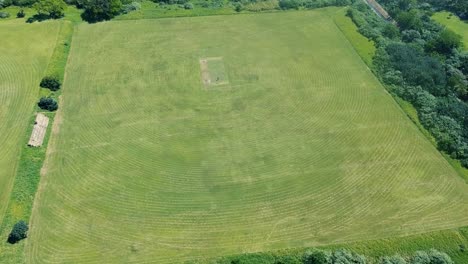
[363, 46]
[454, 23]
[24, 53]
[27, 176]
[304, 147]
[453, 242]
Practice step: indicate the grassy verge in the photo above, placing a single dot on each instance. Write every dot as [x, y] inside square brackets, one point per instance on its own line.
[31, 159]
[363, 46]
[453, 242]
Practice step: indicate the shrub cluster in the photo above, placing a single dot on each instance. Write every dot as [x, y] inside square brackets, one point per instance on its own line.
[4, 15]
[48, 103]
[50, 82]
[19, 232]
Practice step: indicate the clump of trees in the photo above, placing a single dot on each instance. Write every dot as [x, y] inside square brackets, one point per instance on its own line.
[50, 8]
[340, 256]
[50, 82]
[423, 63]
[19, 232]
[99, 10]
[48, 103]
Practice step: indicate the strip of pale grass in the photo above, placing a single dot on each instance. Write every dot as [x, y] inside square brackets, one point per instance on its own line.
[363, 46]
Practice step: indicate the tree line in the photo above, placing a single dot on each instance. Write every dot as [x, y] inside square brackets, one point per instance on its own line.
[422, 62]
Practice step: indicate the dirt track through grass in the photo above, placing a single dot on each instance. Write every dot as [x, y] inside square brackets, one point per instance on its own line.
[303, 147]
[24, 52]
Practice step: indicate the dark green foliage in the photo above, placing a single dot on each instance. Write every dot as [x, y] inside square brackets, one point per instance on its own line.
[48, 103]
[445, 43]
[19, 232]
[290, 4]
[99, 10]
[409, 20]
[391, 31]
[317, 257]
[50, 82]
[4, 15]
[133, 6]
[417, 68]
[50, 8]
[392, 260]
[20, 14]
[310, 4]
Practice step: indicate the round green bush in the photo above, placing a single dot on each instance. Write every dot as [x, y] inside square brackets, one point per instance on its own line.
[50, 82]
[48, 103]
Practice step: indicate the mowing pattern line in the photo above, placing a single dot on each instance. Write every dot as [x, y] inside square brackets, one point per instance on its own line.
[305, 148]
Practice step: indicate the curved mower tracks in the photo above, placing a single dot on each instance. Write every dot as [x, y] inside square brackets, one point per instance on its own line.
[304, 147]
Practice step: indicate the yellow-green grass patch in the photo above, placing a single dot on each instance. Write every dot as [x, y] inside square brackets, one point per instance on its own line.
[363, 46]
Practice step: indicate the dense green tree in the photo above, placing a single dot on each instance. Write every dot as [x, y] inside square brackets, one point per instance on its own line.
[50, 82]
[48, 103]
[445, 43]
[19, 232]
[50, 8]
[391, 31]
[98, 10]
[409, 20]
[317, 257]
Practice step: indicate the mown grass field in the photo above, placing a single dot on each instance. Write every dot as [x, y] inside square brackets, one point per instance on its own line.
[24, 54]
[454, 23]
[302, 147]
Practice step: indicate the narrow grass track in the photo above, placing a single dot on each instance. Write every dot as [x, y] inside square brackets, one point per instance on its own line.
[24, 53]
[303, 147]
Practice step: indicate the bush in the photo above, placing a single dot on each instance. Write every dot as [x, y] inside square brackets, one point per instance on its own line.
[290, 4]
[4, 15]
[50, 8]
[317, 257]
[99, 10]
[50, 82]
[133, 6]
[20, 14]
[19, 232]
[48, 103]
[188, 6]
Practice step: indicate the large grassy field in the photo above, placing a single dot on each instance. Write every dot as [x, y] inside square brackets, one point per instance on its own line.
[454, 23]
[301, 147]
[24, 53]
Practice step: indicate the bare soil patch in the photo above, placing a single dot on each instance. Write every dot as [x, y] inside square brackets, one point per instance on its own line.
[39, 130]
